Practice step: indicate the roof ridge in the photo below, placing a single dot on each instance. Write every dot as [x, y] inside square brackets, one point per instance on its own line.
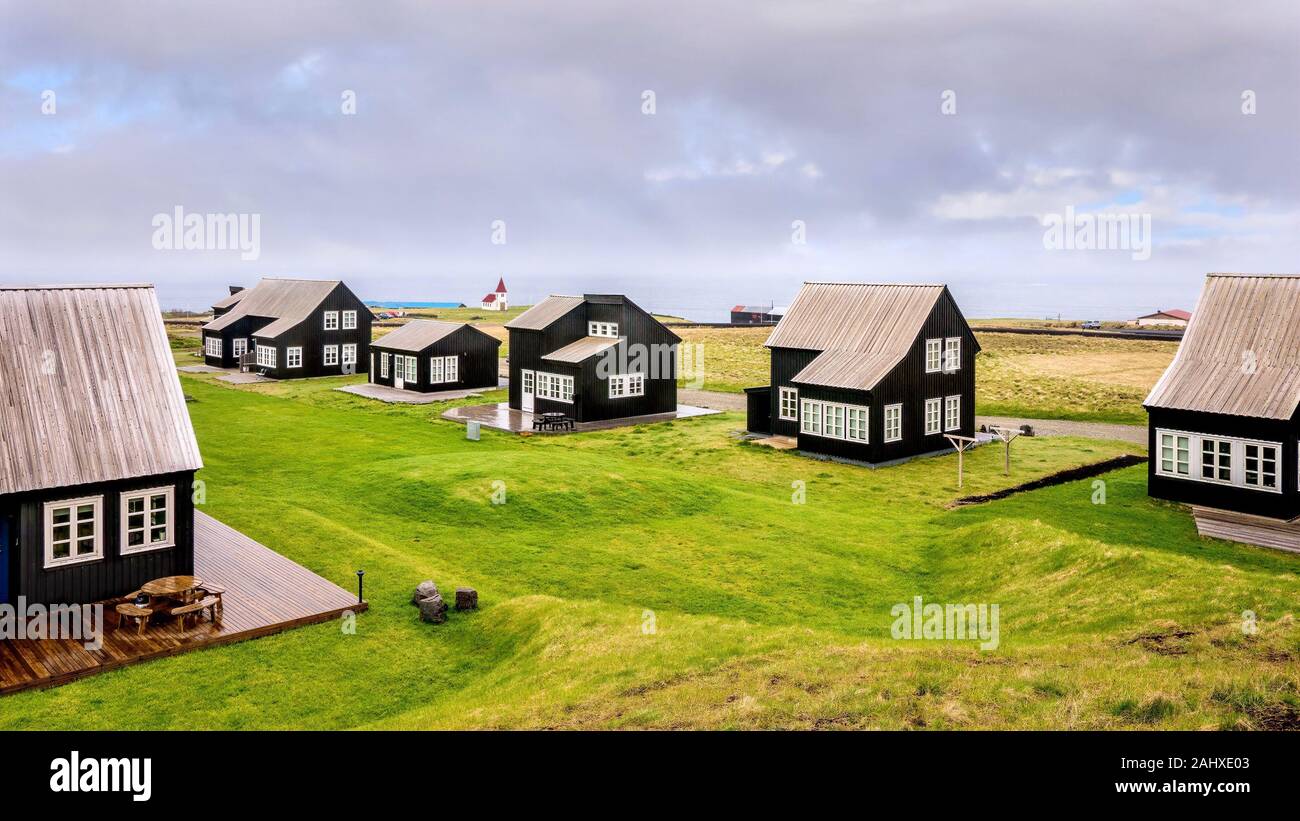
[879, 284]
[76, 287]
[1230, 275]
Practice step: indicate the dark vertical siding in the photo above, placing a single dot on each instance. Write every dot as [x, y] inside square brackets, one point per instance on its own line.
[477, 362]
[1284, 505]
[786, 362]
[115, 574]
[311, 336]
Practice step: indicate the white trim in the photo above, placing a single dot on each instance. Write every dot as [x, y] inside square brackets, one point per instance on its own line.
[933, 355]
[952, 413]
[213, 346]
[169, 510]
[554, 387]
[349, 320]
[266, 356]
[626, 385]
[791, 396]
[1195, 461]
[833, 420]
[383, 364]
[331, 320]
[289, 354]
[451, 370]
[97, 519]
[952, 354]
[933, 411]
[606, 329]
[897, 410]
[444, 369]
[349, 353]
[240, 346]
[330, 355]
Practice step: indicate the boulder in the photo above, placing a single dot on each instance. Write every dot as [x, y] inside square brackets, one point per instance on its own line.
[466, 598]
[433, 609]
[424, 590]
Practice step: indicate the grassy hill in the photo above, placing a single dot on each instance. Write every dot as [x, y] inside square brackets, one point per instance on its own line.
[765, 613]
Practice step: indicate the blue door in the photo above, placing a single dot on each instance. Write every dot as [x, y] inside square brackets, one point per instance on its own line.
[4, 559]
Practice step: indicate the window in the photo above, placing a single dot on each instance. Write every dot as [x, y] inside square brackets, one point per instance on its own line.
[349, 320]
[812, 417]
[412, 369]
[857, 423]
[609, 329]
[833, 421]
[331, 355]
[893, 423]
[933, 355]
[1216, 460]
[350, 354]
[933, 409]
[1175, 454]
[435, 369]
[952, 413]
[451, 373]
[553, 386]
[625, 385]
[1261, 465]
[148, 519]
[789, 408]
[331, 320]
[241, 347]
[399, 368]
[73, 531]
[265, 356]
[952, 354]
[383, 364]
[213, 346]
[528, 382]
[293, 357]
[1224, 460]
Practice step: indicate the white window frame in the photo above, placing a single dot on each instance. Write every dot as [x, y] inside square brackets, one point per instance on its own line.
[399, 367]
[72, 504]
[952, 413]
[289, 354]
[896, 410]
[835, 420]
[554, 387]
[1195, 449]
[349, 320]
[834, 417]
[240, 346]
[788, 405]
[810, 418]
[1259, 468]
[933, 416]
[952, 354]
[451, 370]
[383, 364]
[331, 320]
[1173, 471]
[412, 369]
[213, 346]
[124, 522]
[349, 353]
[626, 385]
[933, 355]
[436, 364]
[1218, 454]
[606, 329]
[330, 356]
[266, 356]
[857, 419]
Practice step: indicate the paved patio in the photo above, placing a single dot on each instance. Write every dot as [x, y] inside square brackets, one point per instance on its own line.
[502, 417]
[202, 369]
[386, 394]
[236, 378]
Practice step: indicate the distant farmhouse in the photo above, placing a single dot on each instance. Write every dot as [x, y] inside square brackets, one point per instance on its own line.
[426, 355]
[756, 315]
[292, 328]
[592, 357]
[1223, 417]
[1173, 318]
[869, 373]
[498, 300]
[98, 456]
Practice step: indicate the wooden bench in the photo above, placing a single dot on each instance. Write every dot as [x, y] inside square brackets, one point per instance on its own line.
[127, 610]
[195, 609]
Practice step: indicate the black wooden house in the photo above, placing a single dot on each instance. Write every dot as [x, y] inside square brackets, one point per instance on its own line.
[293, 328]
[592, 357]
[869, 373]
[1224, 419]
[97, 457]
[426, 355]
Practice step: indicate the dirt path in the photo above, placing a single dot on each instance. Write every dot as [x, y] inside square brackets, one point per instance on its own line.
[1060, 427]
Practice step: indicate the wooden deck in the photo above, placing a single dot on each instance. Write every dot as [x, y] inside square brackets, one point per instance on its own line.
[502, 417]
[265, 593]
[1243, 527]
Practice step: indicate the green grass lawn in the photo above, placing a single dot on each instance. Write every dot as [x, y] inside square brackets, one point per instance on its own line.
[766, 613]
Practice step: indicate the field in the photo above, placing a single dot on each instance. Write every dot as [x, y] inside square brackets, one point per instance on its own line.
[1046, 377]
[663, 576]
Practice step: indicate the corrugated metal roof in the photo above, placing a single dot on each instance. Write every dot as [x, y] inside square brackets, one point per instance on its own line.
[231, 300]
[419, 334]
[863, 329]
[287, 301]
[545, 312]
[88, 388]
[1241, 352]
[581, 350]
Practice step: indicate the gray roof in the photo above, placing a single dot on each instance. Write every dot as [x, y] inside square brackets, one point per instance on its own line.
[581, 350]
[419, 334]
[1240, 354]
[287, 301]
[233, 299]
[864, 330]
[88, 388]
[545, 312]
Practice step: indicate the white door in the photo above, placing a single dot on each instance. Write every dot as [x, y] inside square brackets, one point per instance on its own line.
[371, 377]
[526, 390]
[399, 371]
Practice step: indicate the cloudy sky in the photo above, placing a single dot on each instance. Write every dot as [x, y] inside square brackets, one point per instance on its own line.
[766, 116]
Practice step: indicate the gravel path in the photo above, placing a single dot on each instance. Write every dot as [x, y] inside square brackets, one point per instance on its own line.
[1059, 427]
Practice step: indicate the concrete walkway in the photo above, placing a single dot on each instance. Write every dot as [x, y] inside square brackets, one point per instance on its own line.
[391, 395]
[1061, 427]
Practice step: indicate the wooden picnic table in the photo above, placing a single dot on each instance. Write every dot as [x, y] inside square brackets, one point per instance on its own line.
[180, 588]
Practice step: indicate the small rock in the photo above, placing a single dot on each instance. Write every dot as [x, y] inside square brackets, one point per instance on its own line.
[466, 598]
[433, 609]
[424, 590]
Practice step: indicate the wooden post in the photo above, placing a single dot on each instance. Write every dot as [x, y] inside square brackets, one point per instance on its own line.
[962, 444]
[1007, 435]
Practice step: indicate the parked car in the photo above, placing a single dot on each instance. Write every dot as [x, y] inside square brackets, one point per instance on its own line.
[1092, 325]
